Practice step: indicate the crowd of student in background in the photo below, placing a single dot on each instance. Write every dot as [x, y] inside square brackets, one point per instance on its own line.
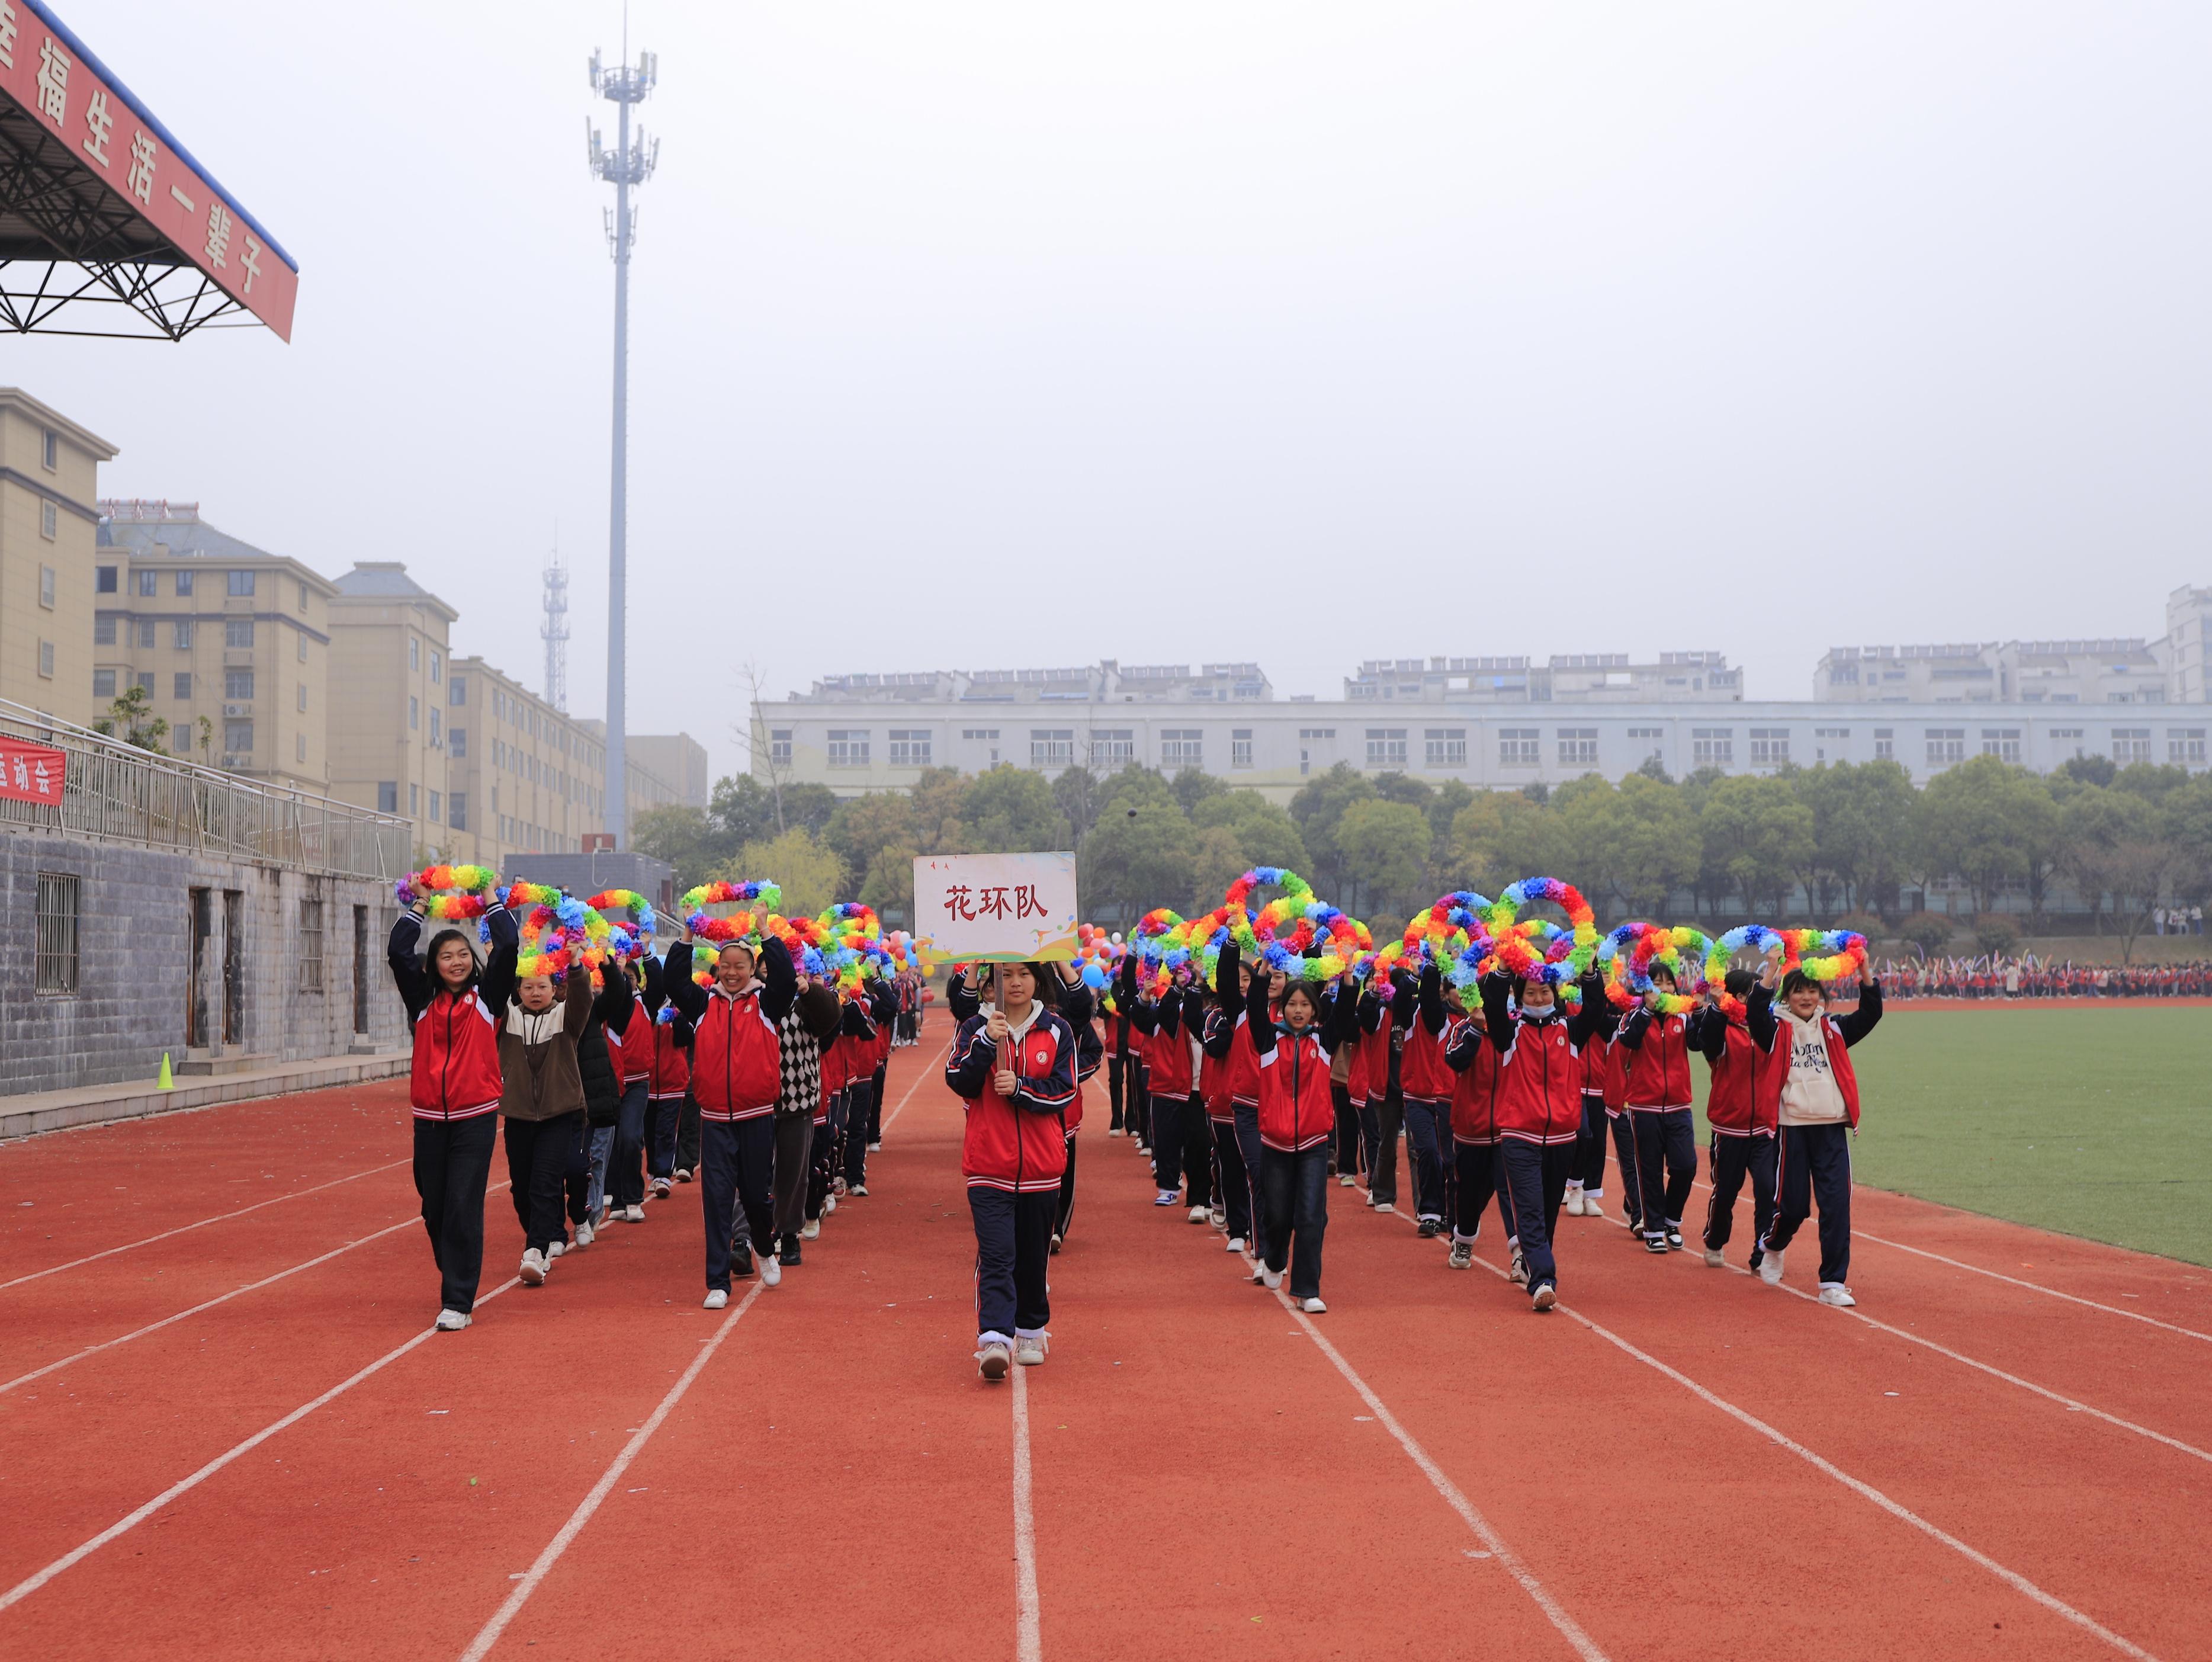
[1997, 975]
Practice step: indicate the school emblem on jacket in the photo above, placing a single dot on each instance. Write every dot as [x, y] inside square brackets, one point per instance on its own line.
[1039, 1048]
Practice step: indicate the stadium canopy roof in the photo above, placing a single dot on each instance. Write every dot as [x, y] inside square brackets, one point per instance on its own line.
[107, 224]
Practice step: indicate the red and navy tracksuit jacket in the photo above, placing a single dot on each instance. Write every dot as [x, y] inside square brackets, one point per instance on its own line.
[1769, 1036]
[1732, 1106]
[1478, 1082]
[1297, 1110]
[1539, 1064]
[737, 1054]
[671, 1039]
[1018, 1143]
[1657, 1063]
[455, 1072]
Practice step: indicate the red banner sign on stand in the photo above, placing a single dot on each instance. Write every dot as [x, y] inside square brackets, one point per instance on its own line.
[31, 773]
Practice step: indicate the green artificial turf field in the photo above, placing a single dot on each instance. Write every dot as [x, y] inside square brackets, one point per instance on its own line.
[2093, 1121]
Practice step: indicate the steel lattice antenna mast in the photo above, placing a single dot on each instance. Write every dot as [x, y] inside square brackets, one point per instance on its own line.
[630, 162]
[555, 633]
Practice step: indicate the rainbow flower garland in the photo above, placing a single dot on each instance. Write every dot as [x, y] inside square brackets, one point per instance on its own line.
[742, 928]
[454, 893]
[1824, 954]
[1566, 957]
[1632, 952]
[628, 901]
[1721, 953]
[770, 895]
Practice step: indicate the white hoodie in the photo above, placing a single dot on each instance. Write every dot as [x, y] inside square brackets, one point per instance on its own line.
[1810, 1096]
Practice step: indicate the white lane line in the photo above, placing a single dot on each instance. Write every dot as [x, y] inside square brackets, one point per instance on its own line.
[124, 1525]
[935, 1063]
[1029, 1638]
[2012, 1578]
[1859, 1234]
[238, 1292]
[185, 1229]
[482, 1644]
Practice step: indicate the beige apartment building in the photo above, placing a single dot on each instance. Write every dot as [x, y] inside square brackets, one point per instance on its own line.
[524, 778]
[665, 770]
[388, 691]
[49, 524]
[232, 644]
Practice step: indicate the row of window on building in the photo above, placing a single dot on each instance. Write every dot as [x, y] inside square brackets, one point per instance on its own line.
[145, 633]
[238, 585]
[1445, 749]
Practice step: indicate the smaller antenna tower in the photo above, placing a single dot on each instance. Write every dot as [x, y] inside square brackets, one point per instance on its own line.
[555, 633]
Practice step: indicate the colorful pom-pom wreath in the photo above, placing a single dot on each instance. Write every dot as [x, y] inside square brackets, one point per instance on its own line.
[1634, 950]
[1824, 954]
[1721, 953]
[1567, 958]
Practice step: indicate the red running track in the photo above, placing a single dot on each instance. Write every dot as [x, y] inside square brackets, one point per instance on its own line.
[1680, 1462]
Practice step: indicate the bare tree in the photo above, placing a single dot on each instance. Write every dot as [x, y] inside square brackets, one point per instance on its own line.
[760, 750]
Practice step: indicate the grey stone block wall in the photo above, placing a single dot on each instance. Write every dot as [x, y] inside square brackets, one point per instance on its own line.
[134, 943]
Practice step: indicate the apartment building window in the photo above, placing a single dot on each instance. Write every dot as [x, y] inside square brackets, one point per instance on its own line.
[103, 684]
[414, 799]
[50, 525]
[303, 698]
[414, 653]
[311, 946]
[242, 583]
[50, 450]
[1239, 747]
[46, 587]
[457, 686]
[1183, 747]
[142, 634]
[1308, 738]
[2004, 743]
[1655, 737]
[299, 746]
[185, 583]
[180, 633]
[303, 600]
[148, 582]
[1052, 747]
[414, 713]
[103, 629]
[237, 736]
[437, 666]
[238, 684]
[1823, 737]
[437, 809]
[1946, 746]
[2069, 740]
[1885, 744]
[2186, 745]
[1113, 745]
[1770, 746]
[144, 680]
[437, 727]
[1520, 747]
[387, 796]
[910, 747]
[299, 642]
[1577, 747]
[1713, 748]
[237, 634]
[1386, 747]
[457, 739]
[849, 747]
[457, 810]
[103, 580]
[56, 966]
[46, 659]
[2130, 745]
[180, 685]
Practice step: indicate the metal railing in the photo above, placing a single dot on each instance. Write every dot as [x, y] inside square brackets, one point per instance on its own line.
[118, 792]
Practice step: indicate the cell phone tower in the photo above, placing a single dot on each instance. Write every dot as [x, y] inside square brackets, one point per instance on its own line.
[554, 631]
[629, 163]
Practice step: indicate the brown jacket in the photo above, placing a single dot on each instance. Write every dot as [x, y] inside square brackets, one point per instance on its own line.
[540, 1080]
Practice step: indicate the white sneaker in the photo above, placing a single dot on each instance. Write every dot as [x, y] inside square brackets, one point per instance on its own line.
[584, 1234]
[861, 1189]
[1545, 1296]
[1462, 1255]
[771, 1270]
[1313, 1307]
[534, 1267]
[1270, 1279]
[1235, 1243]
[1574, 1203]
[1197, 1215]
[991, 1362]
[683, 1174]
[716, 1297]
[1715, 1259]
[1346, 1180]
[1518, 1275]
[811, 1229]
[1031, 1349]
[1165, 1197]
[1384, 1206]
[660, 1189]
[452, 1321]
[1839, 1296]
[1116, 1132]
[1591, 1208]
[554, 1249]
[829, 1204]
[1770, 1267]
[1218, 1217]
[875, 1148]
[634, 1214]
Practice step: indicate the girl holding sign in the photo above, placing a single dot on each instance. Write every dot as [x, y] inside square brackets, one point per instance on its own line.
[1013, 1065]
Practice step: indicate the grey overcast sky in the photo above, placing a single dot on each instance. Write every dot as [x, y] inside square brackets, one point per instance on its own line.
[975, 335]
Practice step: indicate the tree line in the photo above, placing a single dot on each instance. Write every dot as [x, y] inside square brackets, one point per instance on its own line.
[1849, 842]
